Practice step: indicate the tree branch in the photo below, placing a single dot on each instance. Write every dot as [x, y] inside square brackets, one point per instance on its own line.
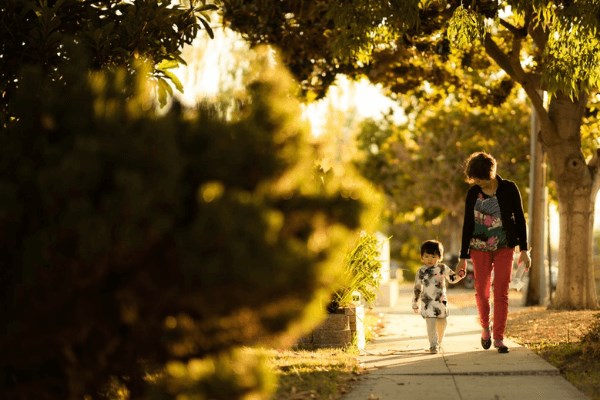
[538, 35]
[530, 82]
[502, 59]
[521, 32]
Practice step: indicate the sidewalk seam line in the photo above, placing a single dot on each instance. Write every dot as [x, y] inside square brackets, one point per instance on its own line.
[507, 373]
[453, 378]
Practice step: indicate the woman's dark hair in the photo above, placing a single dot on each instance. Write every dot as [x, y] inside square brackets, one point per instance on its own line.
[432, 247]
[480, 165]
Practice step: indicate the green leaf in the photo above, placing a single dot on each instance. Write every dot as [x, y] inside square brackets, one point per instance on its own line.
[207, 27]
[175, 80]
[208, 7]
[167, 64]
[164, 91]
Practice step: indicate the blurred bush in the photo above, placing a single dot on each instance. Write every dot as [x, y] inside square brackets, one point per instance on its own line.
[138, 246]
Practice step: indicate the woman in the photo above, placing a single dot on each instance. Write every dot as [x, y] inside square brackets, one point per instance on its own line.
[494, 224]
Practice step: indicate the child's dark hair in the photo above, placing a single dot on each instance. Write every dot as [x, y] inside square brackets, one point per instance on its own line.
[432, 247]
[480, 165]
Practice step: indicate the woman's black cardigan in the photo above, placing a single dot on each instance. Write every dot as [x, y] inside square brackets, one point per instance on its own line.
[511, 210]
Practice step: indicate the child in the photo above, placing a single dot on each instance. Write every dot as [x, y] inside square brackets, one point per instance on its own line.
[430, 287]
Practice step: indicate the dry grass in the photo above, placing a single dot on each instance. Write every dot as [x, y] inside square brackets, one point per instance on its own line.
[319, 374]
[534, 326]
[323, 374]
[556, 336]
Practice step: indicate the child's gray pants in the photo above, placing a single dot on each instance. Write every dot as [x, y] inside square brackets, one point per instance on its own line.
[436, 327]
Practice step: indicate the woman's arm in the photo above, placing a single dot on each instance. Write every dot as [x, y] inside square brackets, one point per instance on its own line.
[468, 222]
[520, 224]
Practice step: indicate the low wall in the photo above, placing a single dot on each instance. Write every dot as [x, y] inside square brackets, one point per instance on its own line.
[341, 329]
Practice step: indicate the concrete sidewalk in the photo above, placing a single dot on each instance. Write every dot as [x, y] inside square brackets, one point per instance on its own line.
[399, 365]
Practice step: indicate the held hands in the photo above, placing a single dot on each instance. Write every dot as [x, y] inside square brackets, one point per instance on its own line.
[461, 267]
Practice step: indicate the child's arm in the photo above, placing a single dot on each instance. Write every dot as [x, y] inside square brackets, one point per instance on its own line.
[452, 276]
[417, 292]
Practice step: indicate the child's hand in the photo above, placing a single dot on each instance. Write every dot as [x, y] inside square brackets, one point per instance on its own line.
[461, 273]
[416, 310]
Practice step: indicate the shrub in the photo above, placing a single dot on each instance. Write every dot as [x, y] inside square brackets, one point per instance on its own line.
[137, 245]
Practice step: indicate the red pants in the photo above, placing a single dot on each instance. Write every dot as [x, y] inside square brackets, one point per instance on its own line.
[501, 262]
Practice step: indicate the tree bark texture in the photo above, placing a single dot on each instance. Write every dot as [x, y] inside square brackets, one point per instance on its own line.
[576, 187]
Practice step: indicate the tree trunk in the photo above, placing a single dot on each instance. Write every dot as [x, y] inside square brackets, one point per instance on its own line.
[453, 229]
[576, 187]
[576, 282]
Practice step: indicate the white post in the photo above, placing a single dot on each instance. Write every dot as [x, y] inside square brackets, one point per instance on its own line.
[536, 293]
[387, 295]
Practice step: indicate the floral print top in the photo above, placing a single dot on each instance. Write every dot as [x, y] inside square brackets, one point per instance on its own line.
[430, 288]
[488, 234]
[514, 226]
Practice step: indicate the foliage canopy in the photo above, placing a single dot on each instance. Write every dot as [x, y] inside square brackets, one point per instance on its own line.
[351, 36]
[115, 33]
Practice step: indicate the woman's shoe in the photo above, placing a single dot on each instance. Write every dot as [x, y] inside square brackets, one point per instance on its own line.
[486, 343]
[498, 344]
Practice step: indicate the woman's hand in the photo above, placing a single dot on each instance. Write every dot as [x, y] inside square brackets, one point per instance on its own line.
[461, 267]
[524, 259]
